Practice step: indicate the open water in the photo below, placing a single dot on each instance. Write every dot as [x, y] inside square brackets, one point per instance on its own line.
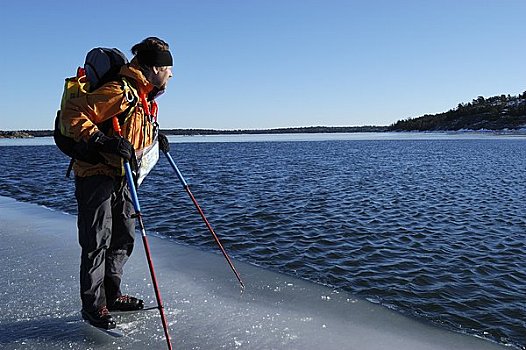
[432, 226]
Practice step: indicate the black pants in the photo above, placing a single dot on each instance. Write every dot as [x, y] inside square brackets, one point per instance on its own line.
[106, 235]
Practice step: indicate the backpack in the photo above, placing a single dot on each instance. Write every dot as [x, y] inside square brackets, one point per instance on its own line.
[102, 65]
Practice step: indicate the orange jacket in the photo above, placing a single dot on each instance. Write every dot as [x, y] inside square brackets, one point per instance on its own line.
[82, 117]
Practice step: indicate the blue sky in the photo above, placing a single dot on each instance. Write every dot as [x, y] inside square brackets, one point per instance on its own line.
[273, 63]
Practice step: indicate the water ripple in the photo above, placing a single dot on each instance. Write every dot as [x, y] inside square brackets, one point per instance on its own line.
[432, 228]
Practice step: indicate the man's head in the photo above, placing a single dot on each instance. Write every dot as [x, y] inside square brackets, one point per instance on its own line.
[154, 57]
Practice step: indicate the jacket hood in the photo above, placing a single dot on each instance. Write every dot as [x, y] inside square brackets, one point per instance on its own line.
[133, 71]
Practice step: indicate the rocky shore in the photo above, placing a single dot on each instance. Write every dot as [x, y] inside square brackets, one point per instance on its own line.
[14, 134]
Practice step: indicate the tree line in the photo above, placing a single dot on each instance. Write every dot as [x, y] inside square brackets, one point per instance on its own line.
[493, 113]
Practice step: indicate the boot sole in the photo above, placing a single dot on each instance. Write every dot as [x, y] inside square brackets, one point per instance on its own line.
[98, 324]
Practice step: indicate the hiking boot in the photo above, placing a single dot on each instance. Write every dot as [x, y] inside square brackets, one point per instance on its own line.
[101, 318]
[126, 303]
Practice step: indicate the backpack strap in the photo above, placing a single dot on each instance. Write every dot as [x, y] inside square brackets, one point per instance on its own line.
[132, 97]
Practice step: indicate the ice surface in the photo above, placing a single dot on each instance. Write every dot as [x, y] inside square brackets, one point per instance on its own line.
[39, 296]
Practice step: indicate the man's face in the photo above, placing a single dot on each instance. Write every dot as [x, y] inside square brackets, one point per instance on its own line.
[160, 76]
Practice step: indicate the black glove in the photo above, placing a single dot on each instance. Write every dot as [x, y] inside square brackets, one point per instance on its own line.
[116, 145]
[164, 145]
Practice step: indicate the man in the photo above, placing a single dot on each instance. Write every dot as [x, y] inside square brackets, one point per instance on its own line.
[106, 227]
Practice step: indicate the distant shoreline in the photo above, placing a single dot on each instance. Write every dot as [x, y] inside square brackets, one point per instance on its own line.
[499, 114]
[26, 134]
[197, 132]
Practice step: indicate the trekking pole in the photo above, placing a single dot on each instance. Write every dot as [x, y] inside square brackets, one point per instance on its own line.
[187, 189]
[135, 199]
